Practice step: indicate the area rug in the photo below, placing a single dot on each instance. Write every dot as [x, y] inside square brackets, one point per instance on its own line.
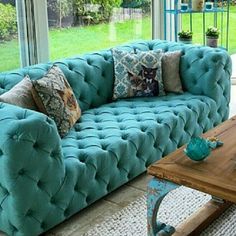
[175, 208]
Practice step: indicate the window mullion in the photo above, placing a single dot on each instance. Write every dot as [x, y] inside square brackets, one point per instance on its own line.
[33, 31]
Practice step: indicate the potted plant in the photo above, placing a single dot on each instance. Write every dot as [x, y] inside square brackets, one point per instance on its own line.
[198, 5]
[212, 35]
[185, 36]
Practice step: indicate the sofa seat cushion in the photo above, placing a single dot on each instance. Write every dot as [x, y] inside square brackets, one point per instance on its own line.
[139, 129]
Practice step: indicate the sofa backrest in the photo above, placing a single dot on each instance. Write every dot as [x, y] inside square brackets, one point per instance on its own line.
[203, 71]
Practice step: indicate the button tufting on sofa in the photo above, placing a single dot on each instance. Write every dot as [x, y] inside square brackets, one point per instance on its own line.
[52, 201]
[153, 126]
[40, 184]
[21, 172]
[15, 137]
[29, 213]
[99, 128]
[42, 225]
[124, 136]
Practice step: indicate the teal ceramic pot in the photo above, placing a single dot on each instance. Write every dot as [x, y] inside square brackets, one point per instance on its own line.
[197, 149]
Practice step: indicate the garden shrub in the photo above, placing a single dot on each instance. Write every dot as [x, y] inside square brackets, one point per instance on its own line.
[8, 22]
[144, 4]
[104, 12]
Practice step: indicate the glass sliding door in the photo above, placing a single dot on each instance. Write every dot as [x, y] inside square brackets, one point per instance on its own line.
[9, 47]
[80, 26]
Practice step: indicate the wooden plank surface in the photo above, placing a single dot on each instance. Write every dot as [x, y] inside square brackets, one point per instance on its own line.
[200, 220]
[216, 175]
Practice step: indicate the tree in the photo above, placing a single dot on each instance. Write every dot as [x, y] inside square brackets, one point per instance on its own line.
[62, 8]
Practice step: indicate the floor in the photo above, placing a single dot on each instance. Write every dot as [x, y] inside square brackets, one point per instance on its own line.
[115, 201]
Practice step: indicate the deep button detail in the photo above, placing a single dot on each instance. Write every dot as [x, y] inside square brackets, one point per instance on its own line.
[101, 136]
[76, 188]
[97, 176]
[35, 145]
[1, 152]
[29, 212]
[15, 137]
[53, 154]
[52, 200]
[43, 225]
[143, 129]
[66, 213]
[99, 128]
[14, 229]
[21, 172]
[104, 147]
[49, 121]
[124, 136]
[122, 128]
[39, 184]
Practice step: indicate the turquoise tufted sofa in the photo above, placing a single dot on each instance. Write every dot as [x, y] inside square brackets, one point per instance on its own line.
[44, 180]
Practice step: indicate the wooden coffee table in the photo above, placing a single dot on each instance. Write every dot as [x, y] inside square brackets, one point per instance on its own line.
[216, 176]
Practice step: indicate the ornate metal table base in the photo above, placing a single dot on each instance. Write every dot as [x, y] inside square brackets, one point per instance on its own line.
[157, 190]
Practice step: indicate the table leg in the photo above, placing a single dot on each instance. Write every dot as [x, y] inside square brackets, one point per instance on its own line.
[157, 190]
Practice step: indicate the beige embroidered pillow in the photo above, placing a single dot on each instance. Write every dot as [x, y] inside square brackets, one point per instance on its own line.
[20, 95]
[170, 72]
[54, 97]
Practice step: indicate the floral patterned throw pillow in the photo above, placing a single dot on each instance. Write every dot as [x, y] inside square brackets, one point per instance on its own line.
[54, 97]
[137, 74]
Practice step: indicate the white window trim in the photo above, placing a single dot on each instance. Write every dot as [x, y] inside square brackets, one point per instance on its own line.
[157, 19]
[33, 31]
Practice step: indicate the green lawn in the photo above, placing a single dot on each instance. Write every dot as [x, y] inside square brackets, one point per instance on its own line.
[77, 40]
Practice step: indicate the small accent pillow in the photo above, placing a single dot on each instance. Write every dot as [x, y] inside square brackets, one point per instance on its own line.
[20, 95]
[170, 72]
[54, 97]
[137, 74]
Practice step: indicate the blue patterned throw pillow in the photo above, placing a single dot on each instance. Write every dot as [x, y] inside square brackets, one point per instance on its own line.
[137, 74]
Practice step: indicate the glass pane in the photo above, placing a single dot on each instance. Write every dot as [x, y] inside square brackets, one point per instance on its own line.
[9, 47]
[79, 26]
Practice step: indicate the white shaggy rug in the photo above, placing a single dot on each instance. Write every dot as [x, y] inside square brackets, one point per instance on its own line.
[175, 207]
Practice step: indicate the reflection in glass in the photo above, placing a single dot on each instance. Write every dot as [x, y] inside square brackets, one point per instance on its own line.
[81, 26]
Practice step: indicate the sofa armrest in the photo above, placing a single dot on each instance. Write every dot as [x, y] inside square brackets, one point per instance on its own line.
[32, 168]
[207, 71]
